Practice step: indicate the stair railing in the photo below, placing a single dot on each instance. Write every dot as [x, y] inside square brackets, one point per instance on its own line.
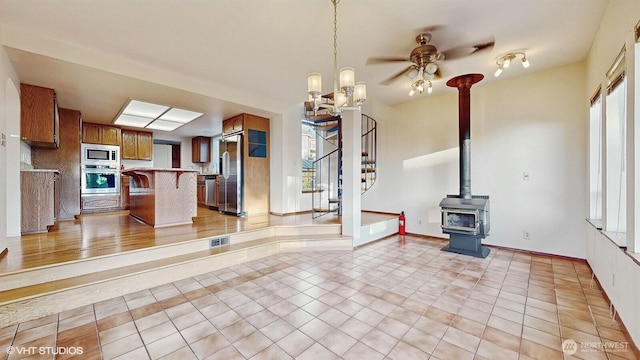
[369, 152]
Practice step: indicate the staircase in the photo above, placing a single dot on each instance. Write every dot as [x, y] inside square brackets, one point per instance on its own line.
[327, 184]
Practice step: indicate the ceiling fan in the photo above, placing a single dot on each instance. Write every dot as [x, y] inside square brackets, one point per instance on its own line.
[425, 60]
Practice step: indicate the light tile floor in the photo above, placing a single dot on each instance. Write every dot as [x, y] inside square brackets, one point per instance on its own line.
[398, 298]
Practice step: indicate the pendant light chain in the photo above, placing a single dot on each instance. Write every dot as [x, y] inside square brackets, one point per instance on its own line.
[335, 47]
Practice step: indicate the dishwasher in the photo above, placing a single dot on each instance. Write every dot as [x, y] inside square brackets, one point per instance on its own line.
[210, 192]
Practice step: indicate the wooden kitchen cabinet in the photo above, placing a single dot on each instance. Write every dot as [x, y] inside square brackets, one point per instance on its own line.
[66, 159]
[137, 145]
[101, 134]
[201, 191]
[40, 200]
[233, 125]
[201, 149]
[124, 192]
[39, 123]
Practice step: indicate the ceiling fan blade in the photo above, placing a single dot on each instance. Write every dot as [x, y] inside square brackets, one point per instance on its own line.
[385, 60]
[484, 46]
[395, 76]
[462, 51]
[431, 28]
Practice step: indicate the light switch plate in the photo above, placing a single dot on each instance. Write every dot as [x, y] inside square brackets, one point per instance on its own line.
[3, 140]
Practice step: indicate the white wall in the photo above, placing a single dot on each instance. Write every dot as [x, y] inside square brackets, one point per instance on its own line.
[535, 124]
[615, 270]
[286, 163]
[9, 154]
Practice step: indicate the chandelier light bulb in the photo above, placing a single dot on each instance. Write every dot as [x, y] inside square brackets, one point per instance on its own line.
[314, 84]
[430, 88]
[498, 71]
[412, 91]
[341, 99]
[360, 93]
[525, 62]
[347, 77]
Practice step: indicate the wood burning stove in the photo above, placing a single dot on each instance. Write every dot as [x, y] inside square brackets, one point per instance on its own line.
[465, 217]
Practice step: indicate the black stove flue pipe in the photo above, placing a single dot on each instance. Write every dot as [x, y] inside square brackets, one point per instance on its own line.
[464, 83]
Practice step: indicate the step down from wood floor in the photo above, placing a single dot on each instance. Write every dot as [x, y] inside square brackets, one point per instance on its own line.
[34, 293]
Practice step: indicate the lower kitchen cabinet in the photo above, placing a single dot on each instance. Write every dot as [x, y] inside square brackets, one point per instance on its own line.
[124, 192]
[100, 203]
[40, 200]
[201, 191]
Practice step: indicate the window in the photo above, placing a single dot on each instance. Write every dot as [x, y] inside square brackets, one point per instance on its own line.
[616, 157]
[308, 156]
[595, 160]
[616, 151]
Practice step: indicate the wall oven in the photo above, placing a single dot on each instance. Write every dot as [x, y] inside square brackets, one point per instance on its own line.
[97, 180]
[100, 169]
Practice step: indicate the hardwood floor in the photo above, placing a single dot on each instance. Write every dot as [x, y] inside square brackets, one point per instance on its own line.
[110, 233]
[104, 234]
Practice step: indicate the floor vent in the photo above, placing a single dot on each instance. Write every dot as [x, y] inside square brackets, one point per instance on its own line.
[215, 242]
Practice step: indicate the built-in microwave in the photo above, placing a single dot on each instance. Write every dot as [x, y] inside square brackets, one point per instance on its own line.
[107, 155]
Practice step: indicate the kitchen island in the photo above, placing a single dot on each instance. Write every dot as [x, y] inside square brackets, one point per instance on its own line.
[162, 197]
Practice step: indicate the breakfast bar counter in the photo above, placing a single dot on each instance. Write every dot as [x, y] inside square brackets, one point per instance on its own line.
[162, 197]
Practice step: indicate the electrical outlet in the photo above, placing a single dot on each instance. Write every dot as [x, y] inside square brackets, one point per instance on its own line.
[419, 222]
[526, 235]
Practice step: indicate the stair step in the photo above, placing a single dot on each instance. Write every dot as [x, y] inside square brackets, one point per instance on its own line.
[368, 169]
[34, 301]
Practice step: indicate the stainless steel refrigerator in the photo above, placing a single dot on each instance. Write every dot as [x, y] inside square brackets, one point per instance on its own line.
[230, 192]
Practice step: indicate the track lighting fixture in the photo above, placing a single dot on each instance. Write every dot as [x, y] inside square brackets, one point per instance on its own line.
[504, 61]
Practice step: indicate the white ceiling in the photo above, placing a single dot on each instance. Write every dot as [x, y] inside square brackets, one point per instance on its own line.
[254, 56]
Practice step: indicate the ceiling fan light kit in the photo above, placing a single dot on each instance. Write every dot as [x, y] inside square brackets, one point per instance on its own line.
[347, 93]
[504, 61]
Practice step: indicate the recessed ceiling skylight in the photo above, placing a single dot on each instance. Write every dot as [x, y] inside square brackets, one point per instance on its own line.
[153, 116]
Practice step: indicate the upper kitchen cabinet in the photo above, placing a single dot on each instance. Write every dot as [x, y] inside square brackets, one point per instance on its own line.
[137, 145]
[233, 125]
[101, 134]
[39, 123]
[201, 149]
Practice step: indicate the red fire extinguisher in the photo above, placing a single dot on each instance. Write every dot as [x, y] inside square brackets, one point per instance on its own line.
[401, 224]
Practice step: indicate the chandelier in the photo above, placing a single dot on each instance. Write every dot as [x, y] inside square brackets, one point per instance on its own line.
[347, 93]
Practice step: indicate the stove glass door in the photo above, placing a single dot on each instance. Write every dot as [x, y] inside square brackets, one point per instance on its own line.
[460, 219]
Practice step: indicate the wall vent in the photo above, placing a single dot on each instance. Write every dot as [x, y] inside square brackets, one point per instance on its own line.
[215, 242]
